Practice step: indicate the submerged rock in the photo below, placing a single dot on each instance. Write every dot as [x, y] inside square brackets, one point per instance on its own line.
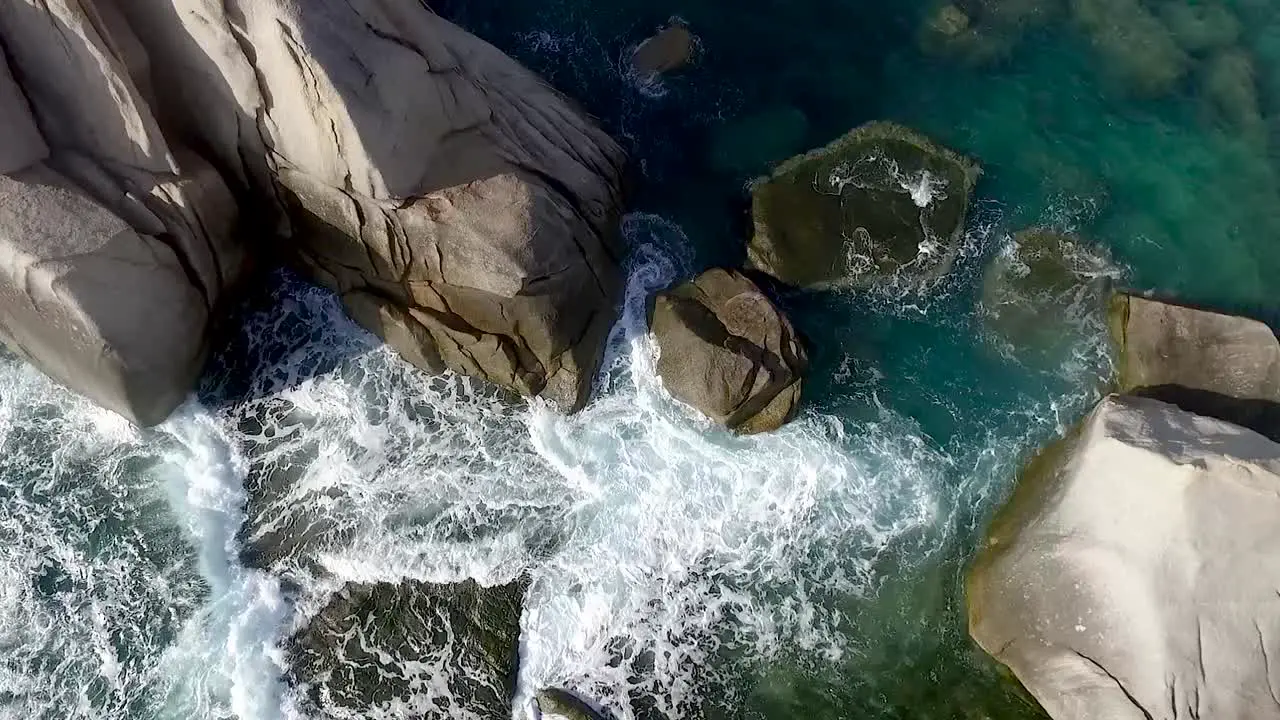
[1230, 88]
[671, 48]
[1132, 45]
[1133, 573]
[1200, 26]
[725, 349]
[462, 209]
[1205, 362]
[1032, 290]
[557, 704]
[983, 32]
[416, 649]
[881, 203]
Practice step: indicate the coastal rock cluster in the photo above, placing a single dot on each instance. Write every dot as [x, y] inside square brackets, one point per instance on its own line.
[153, 151]
[881, 206]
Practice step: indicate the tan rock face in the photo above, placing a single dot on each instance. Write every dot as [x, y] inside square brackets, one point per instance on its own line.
[106, 310]
[725, 349]
[458, 204]
[420, 170]
[1211, 364]
[1133, 574]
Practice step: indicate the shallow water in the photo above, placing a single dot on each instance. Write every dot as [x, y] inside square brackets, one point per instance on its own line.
[675, 570]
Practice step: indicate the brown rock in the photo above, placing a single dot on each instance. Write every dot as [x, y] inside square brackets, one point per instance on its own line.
[670, 49]
[725, 349]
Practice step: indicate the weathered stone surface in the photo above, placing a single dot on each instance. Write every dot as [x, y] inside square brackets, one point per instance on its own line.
[84, 142]
[725, 349]
[1208, 363]
[480, 207]
[1036, 287]
[881, 203]
[102, 308]
[1133, 574]
[414, 649]
[671, 48]
[411, 167]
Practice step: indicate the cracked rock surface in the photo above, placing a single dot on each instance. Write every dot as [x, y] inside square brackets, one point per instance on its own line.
[1134, 574]
[726, 349]
[461, 207]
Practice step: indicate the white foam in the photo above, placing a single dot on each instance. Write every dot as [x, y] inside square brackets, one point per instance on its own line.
[229, 652]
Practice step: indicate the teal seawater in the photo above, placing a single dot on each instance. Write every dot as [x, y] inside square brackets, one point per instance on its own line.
[1150, 128]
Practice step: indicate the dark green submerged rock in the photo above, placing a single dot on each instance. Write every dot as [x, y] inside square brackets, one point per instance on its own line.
[1038, 287]
[882, 202]
[351, 657]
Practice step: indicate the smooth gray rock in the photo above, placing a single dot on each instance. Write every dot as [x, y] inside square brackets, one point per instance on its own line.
[415, 649]
[725, 349]
[1134, 572]
[1206, 362]
[881, 204]
[103, 309]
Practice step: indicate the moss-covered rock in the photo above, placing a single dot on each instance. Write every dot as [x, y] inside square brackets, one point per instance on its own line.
[725, 349]
[1033, 289]
[417, 649]
[882, 202]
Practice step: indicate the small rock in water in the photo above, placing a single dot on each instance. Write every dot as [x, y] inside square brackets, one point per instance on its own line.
[883, 203]
[670, 49]
[557, 704]
[725, 349]
[1032, 290]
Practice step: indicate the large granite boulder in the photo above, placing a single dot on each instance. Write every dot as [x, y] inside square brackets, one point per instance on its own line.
[464, 210]
[105, 310]
[1134, 572]
[118, 244]
[1206, 362]
[411, 650]
[883, 203]
[725, 349]
[1040, 283]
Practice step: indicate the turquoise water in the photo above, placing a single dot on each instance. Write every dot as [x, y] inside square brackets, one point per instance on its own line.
[674, 570]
